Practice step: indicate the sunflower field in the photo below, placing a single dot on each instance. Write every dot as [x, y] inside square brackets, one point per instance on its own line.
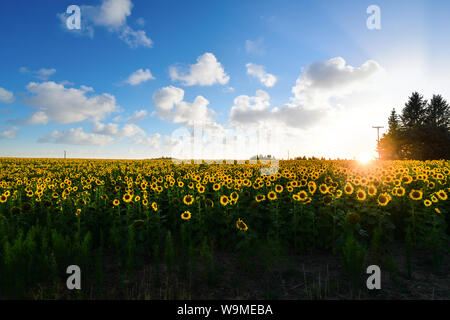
[127, 213]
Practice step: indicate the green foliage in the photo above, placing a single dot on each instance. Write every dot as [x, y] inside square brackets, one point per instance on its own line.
[354, 257]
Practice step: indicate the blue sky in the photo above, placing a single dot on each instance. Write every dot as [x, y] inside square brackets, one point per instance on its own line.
[311, 71]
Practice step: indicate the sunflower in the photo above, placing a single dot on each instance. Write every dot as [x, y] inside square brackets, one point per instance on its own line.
[437, 210]
[400, 191]
[360, 195]
[234, 196]
[279, 188]
[241, 225]
[323, 188]
[416, 194]
[224, 200]
[209, 203]
[154, 206]
[312, 187]
[383, 199]
[216, 186]
[427, 203]
[272, 196]
[145, 202]
[371, 190]
[442, 195]
[78, 212]
[201, 189]
[3, 198]
[302, 195]
[260, 197]
[186, 215]
[116, 202]
[188, 199]
[137, 199]
[338, 194]
[127, 197]
[348, 189]
[327, 200]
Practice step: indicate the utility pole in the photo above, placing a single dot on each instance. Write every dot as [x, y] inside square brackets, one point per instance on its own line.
[378, 139]
[65, 154]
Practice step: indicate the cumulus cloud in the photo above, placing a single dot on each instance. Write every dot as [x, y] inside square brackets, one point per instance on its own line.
[135, 38]
[67, 105]
[6, 96]
[170, 106]
[321, 80]
[206, 72]
[260, 73]
[248, 109]
[318, 84]
[131, 130]
[110, 129]
[9, 133]
[76, 136]
[112, 15]
[138, 115]
[166, 98]
[256, 110]
[139, 76]
[153, 141]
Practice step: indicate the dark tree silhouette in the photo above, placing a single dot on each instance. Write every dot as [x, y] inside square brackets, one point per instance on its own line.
[421, 133]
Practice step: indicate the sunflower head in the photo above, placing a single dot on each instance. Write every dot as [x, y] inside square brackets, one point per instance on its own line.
[186, 215]
[272, 196]
[416, 194]
[241, 225]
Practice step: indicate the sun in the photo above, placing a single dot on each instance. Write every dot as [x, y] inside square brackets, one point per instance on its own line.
[364, 157]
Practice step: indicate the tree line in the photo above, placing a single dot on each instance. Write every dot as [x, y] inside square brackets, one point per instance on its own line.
[420, 132]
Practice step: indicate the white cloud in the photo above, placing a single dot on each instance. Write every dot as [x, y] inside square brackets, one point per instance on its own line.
[6, 96]
[9, 133]
[110, 129]
[130, 130]
[68, 105]
[170, 106]
[41, 74]
[166, 98]
[321, 80]
[112, 15]
[254, 47]
[135, 38]
[139, 76]
[76, 136]
[206, 72]
[138, 115]
[248, 109]
[152, 142]
[39, 117]
[317, 93]
[260, 73]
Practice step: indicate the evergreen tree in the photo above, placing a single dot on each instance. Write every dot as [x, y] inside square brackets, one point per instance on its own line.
[437, 112]
[393, 122]
[413, 114]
